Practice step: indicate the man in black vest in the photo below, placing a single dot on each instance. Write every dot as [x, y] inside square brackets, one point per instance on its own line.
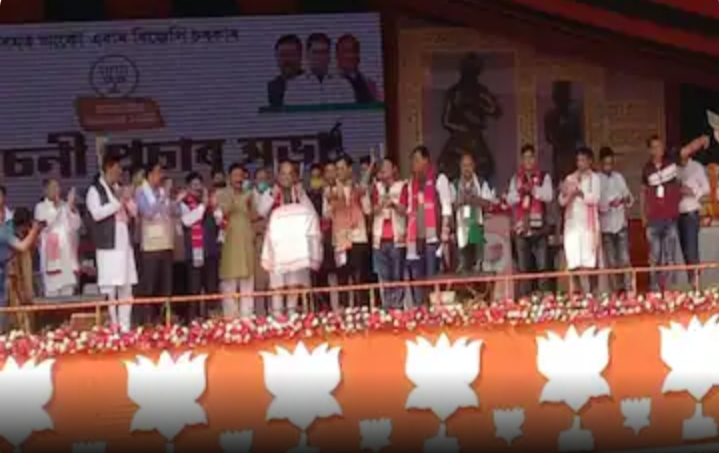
[111, 208]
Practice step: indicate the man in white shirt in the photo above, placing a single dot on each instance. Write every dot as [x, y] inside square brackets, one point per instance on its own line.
[284, 254]
[695, 186]
[471, 195]
[580, 193]
[111, 207]
[58, 241]
[614, 200]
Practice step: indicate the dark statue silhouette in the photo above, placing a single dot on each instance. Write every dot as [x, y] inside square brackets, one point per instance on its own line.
[563, 129]
[468, 106]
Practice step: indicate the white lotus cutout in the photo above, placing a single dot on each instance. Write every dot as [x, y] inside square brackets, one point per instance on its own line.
[236, 441]
[636, 413]
[573, 366]
[699, 426]
[303, 446]
[25, 390]
[576, 438]
[441, 442]
[692, 355]
[89, 447]
[302, 383]
[508, 423]
[442, 374]
[375, 434]
[166, 393]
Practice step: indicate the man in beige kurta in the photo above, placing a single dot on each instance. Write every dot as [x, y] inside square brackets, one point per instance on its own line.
[237, 261]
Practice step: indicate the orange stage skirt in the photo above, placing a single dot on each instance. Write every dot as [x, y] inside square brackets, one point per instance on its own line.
[90, 401]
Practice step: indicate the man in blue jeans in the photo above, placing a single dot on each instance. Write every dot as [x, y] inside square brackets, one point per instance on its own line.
[429, 212]
[389, 227]
[660, 197]
[614, 201]
[695, 186]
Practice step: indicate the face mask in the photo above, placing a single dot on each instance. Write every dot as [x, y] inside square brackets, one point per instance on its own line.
[263, 186]
[316, 183]
[246, 185]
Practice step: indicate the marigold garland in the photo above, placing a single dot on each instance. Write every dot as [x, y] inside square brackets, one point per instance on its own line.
[351, 321]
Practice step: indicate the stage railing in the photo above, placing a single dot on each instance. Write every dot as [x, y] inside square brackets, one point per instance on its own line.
[437, 284]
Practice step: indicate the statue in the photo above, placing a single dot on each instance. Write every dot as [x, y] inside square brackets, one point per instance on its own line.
[468, 106]
[563, 129]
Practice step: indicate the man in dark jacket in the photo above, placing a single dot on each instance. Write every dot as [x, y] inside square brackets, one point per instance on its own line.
[201, 247]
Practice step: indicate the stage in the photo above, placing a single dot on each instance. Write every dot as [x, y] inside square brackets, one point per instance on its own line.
[337, 372]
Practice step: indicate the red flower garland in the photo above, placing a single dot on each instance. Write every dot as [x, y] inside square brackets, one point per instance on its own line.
[351, 321]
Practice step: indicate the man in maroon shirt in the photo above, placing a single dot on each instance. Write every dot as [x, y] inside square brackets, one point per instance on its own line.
[659, 201]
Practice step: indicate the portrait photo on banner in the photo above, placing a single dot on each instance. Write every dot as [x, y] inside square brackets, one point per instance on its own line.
[470, 105]
[560, 125]
[128, 92]
[321, 71]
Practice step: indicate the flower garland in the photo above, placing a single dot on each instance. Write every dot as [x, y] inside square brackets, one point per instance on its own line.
[536, 310]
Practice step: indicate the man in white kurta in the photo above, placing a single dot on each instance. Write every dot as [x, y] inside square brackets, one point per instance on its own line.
[580, 198]
[116, 270]
[58, 241]
[290, 252]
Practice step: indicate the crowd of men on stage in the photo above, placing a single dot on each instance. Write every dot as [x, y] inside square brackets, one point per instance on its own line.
[242, 232]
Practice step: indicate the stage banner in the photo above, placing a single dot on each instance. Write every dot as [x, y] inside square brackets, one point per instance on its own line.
[194, 94]
[641, 382]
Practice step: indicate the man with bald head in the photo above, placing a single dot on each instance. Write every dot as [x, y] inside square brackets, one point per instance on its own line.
[293, 245]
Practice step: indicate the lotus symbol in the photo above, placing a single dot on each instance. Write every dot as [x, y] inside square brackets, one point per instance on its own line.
[167, 393]
[302, 383]
[692, 355]
[25, 391]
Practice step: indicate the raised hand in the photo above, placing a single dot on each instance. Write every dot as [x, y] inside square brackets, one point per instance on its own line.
[71, 198]
[126, 193]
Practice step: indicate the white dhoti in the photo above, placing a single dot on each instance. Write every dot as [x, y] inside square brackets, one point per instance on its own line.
[581, 225]
[299, 278]
[292, 246]
[116, 270]
[581, 249]
[288, 280]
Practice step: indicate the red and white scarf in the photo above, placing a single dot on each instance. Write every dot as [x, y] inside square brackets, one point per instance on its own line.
[53, 254]
[347, 216]
[278, 194]
[592, 208]
[222, 221]
[529, 212]
[197, 234]
[427, 196]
